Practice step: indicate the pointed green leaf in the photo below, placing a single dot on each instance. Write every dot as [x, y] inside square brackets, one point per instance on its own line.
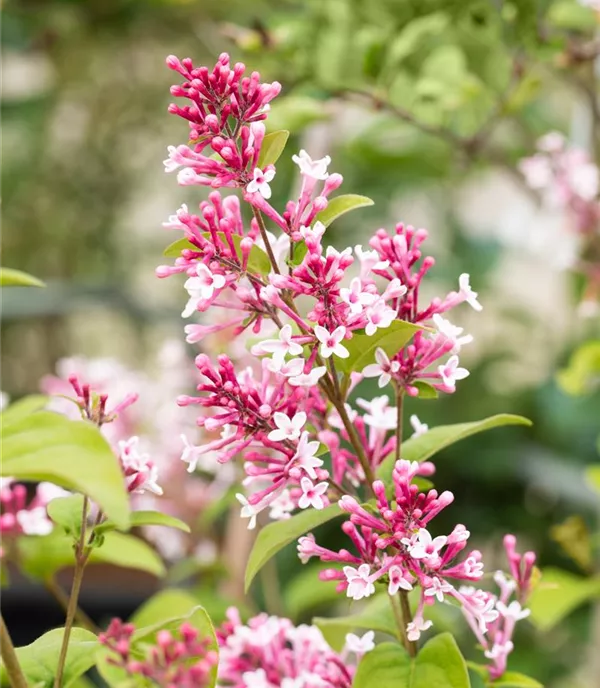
[513, 679]
[340, 205]
[164, 605]
[440, 664]
[423, 447]
[258, 261]
[376, 615]
[146, 518]
[272, 147]
[39, 661]
[278, 534]
[558, 594]
[67, 512]
[47, 446]
[17, 278]
[22, 408]
[426, 391]
[362, 347]
[387, 665]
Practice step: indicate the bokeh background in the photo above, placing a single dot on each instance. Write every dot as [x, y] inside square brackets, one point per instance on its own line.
[427, 108]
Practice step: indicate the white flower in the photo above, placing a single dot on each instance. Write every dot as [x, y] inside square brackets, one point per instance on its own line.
[379, 315]
[360, 645]
[450, 372]
[418, 427]
[308, 379]
[397, 580]
[331, 342]
[312, 495]
[451, 332]
[282, 507]
[316, 231]
[174, 221]
[260, 182]
[279, 347]
[467, 293]
[305, 456]
[287, 428]
[248, 511]
[4, 400]
[379, 414]
[359, 582]
[384, 368]
[256, 679]
[423, 546]
[437, 589]
[485, 614]
[140, 473]
[46, 492]
[473, 568]
[369, 260]
[416, 627]
[356, 298]
[290, 368]
[499, 650]
[190, 454]
[34, 521]
[317, 169]
[513, 610]
[201, 287]
[584, 180]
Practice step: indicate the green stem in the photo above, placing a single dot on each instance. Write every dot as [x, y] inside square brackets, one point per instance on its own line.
[263, 233]
[81, 556]
[407, 617]
[16, 677]
[59, 595]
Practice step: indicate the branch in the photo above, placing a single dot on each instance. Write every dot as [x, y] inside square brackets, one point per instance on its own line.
[10, 659]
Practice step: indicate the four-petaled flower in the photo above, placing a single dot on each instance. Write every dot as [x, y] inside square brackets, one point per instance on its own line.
[418, 427]
[450, 372]
[248, 511]
[331, 342]
[360, 645]
[317, 169]
[451, 332]
[379, 315]
[308, 379]
[467, 293]
[355, 297]
[423, 546]
[279, 347]
[513, 610]
[437, 589]
[416, 627]
[201, 287]
[384, 368]
[397, 580]
[287, 428]
[260, 182]
[312, 495]
[359, 582]
[34, 521]
[305, 457]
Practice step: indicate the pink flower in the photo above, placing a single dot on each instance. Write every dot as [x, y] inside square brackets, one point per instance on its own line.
[201, 287]
[287, 428]
[260, 182]
[467, 293]
[384, 368]
[360, 645]
[397, 580]
[312, 495]
[423, 546]
[437, 588]
[279, 347]
[447, 329]
[34, 521]
[359, 582]
[355, 297]
[417, 626]
[330, 342]
[418, 427]
[379, 315]
[305, 456]
[308, 379]
[450, 372]
[282, 507]
[317, 169]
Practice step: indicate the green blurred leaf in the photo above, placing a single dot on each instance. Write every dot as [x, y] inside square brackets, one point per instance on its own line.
[558, 594]
[272, 147]
[164, 605]
[42, 557]
[47, 446]
[278, 534]
[340, 205]
[513, 679]
[376, 615]
[592, 476]
[387, 665]
[305, 592]
[572, 15]
[362, 347]
[296, 112]
[146, 518]
[22, 408]
[412, 37]
[574, 538]
[67, 512]
[39, 661]
[16, 278]
[582, 375]
[258, 261]
[426, 391]
[434, 440]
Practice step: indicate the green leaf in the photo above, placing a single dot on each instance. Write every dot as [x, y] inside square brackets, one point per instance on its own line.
[582, 375]
[305, 592]
[513, 679]
[258, 261]
[16, 278]
[163, 606]
[572, 16]
[376, 615]
[340, 205]
[387, 665]
[423, 447]
[67, 512]
[277, 535]
[272, 147]
[440, 664]
[145, 518]
[426, 391]
[362, 347]
[39, 661]
[197, 618]
[47, 446]
[592, 476]
[22, 408]
[42, 557]
[558, 594]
